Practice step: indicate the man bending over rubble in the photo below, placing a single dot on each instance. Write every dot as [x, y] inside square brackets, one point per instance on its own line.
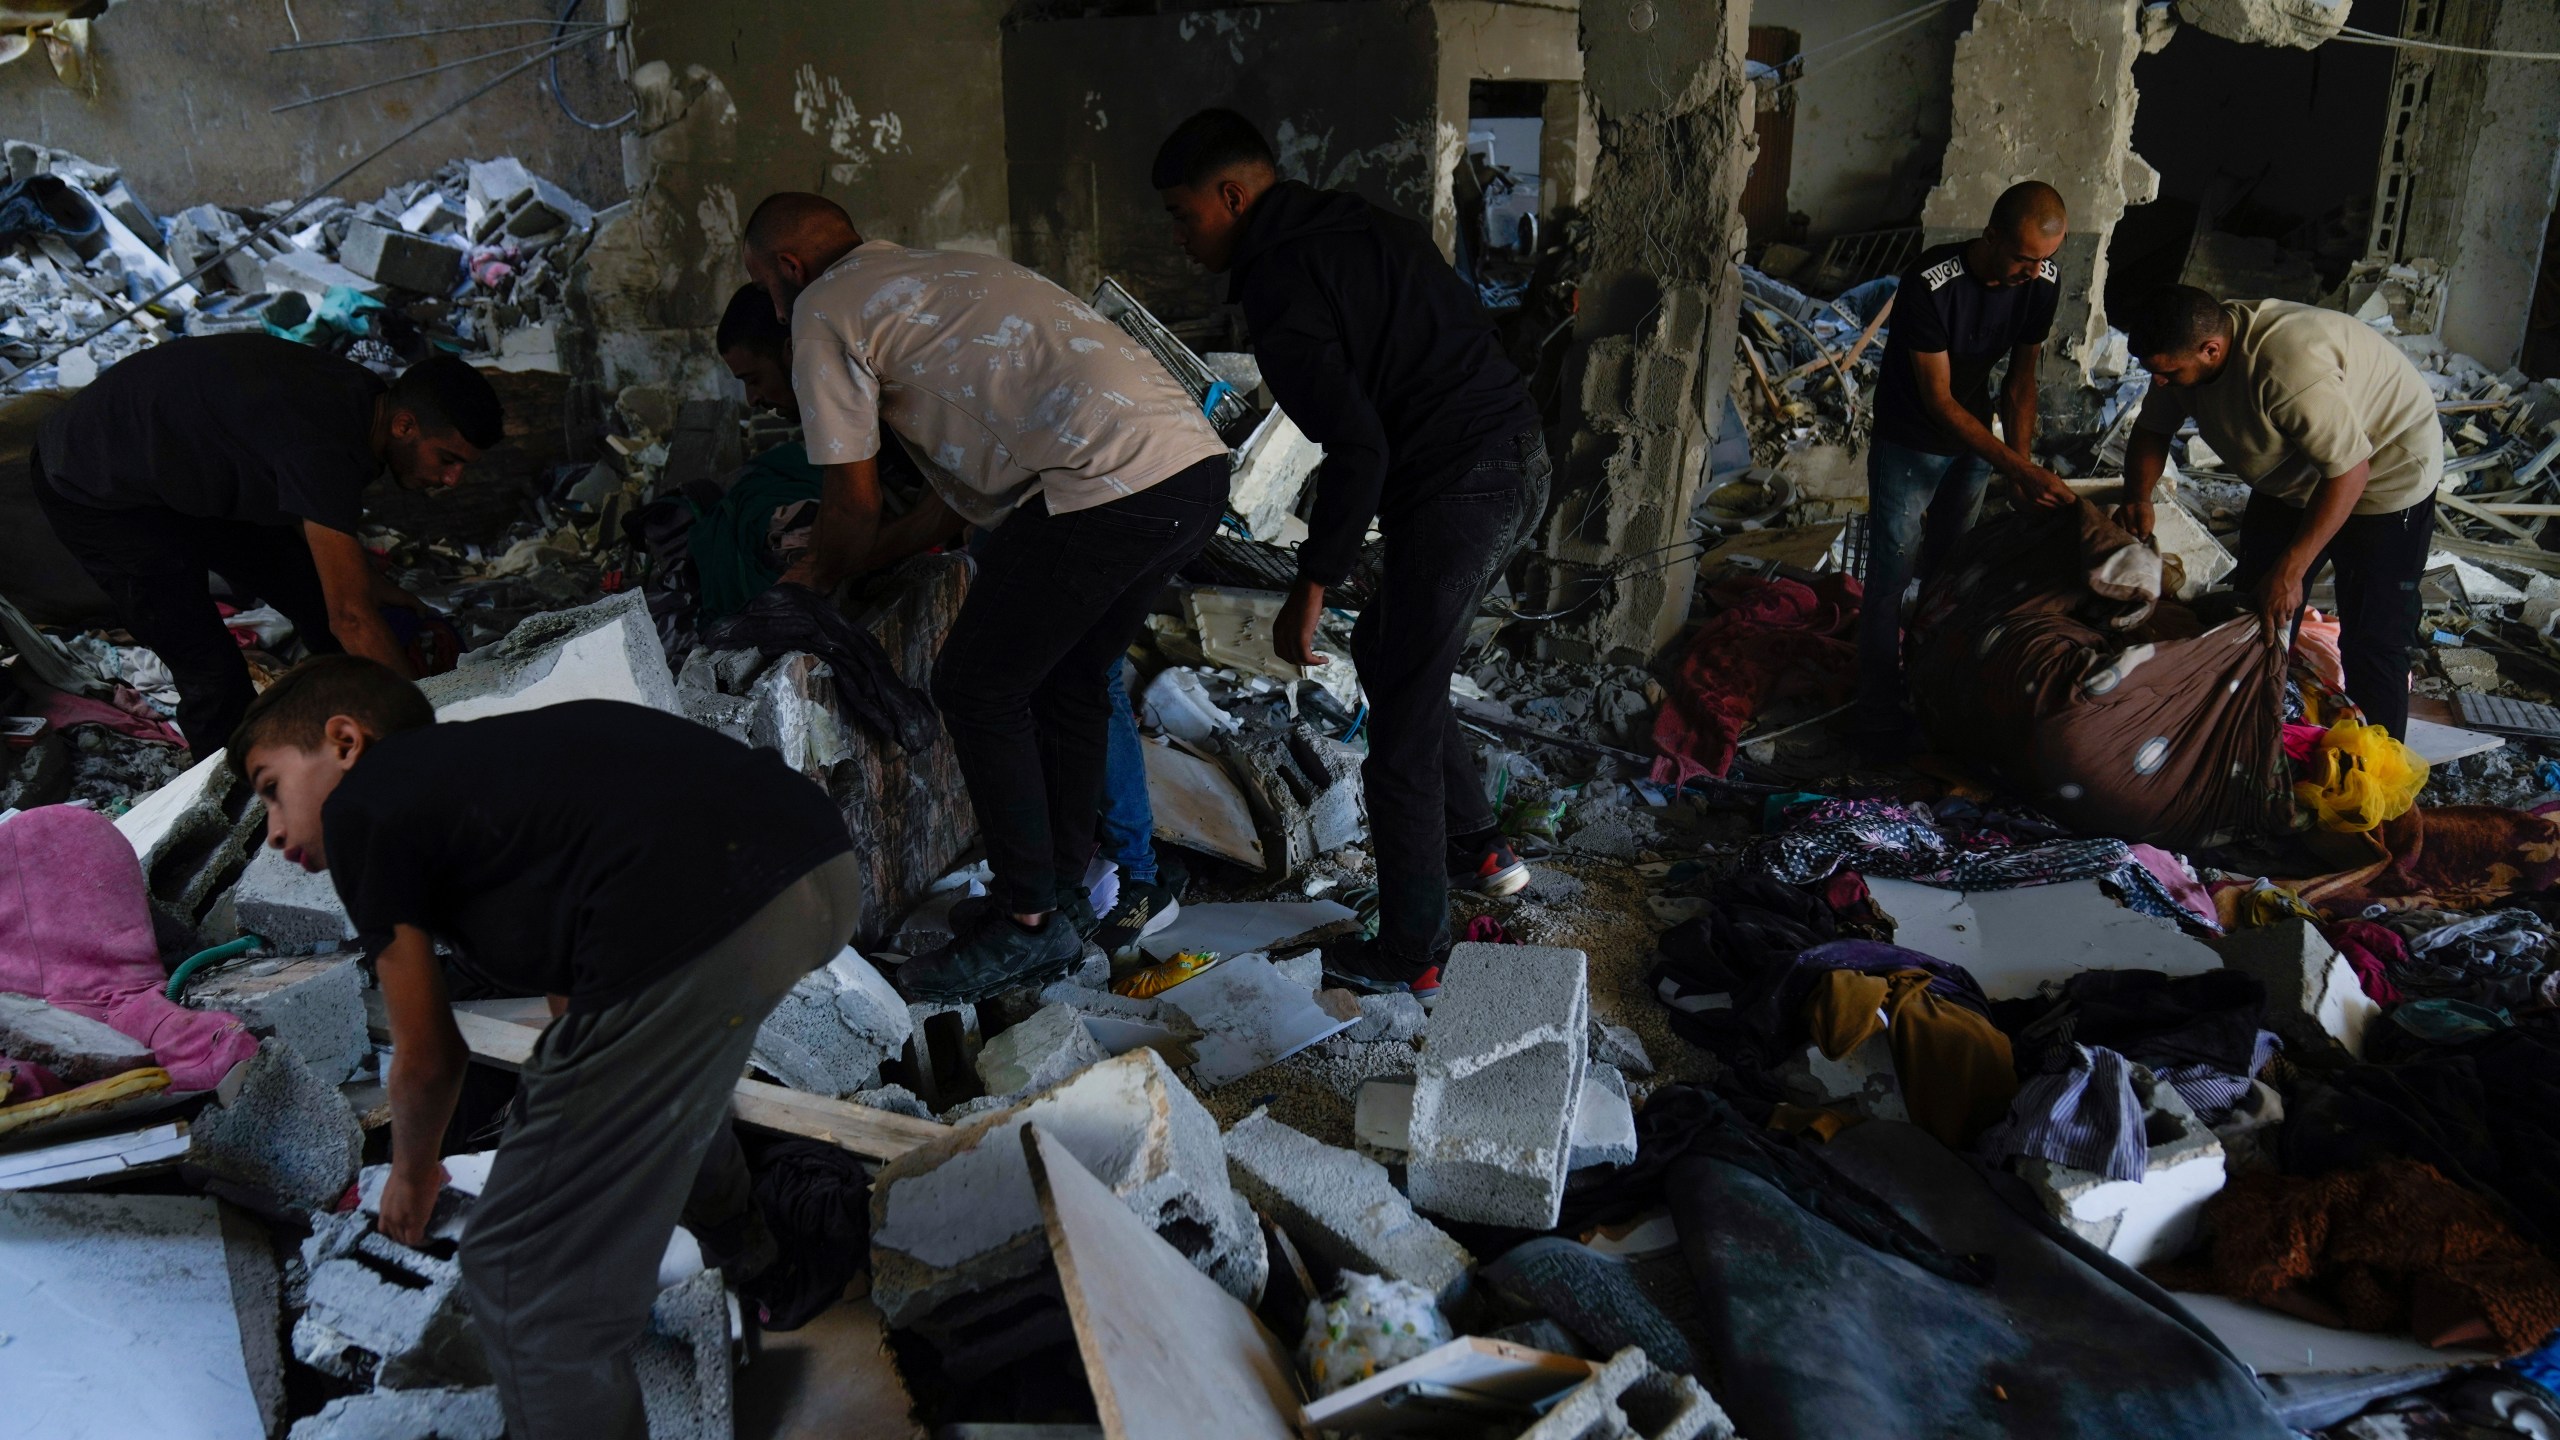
[664, 884]
[1041, 421]
[243, 456]
[1386, 358]
[2336, 433]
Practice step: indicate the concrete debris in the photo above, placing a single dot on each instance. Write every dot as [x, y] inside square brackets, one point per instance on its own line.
[432, 1414]
[1250, 1018]
[833, 1030]
[287, 1134]
[687, 1389]
[943, 1042]
[74, 1047]
[1340, 1207]
[316, 1005]
[1629, 1399]
[382, 1314]
[1495, 1094]
[1039, 1052]
[2298, 24]
[1862, 1082]
[294, 910]
[1619, 1046]
[607, 650]
[2314, 1000]
[1604, 1122]
[1394, 1016]
[2147, 1220]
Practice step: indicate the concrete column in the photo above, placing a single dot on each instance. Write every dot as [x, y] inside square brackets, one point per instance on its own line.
[1654, 340]
[2514, 176]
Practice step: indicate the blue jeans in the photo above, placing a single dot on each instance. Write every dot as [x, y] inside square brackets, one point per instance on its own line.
[1918, 506]
[1128, 821]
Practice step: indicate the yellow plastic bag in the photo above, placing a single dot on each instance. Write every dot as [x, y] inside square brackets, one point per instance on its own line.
[2359, 778]
[1156, 979]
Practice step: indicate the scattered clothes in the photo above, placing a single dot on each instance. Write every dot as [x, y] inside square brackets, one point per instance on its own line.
[1906, 842]
[1770, 635]
[2385, 1247]
[2037, 657]
[2212, 1019]
[2373, 950]
[2258, 902]
[2460, 857]
[1811, 1334]
[793, 617]
[75, 931]
[2358, 777]
[67, 711]
[2493, 960]
[2084, 1115]
[1592, 1295]
[816, 1202]
[1952, 1064]
[24, 1080]
[736, 554]
[2414, 1027]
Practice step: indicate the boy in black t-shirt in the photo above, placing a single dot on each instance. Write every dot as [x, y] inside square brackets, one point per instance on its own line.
[1958, 311]
[663, 884]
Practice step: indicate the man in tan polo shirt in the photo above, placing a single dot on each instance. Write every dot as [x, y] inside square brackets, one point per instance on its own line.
[2336, 433]
[1043, 423]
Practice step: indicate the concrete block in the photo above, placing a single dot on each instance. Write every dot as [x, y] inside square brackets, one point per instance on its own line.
[194, 835]
[1340, 1206]
[286, 1133]
[311, 273]
[2314, 1000]
[942, 1052]
[1861, 1081]
[314, 1005]
[380, 1313]
[1396, 1015]
[604, 651]
[74, 1047]
[1495, 1094]
[440, 1414]
[791, 711]
[1630, 1399]
[2144, 1221]
[1120, 1024]
[1038, 1053]
[1604, 1123]
[1382, 1118]
[687, 1389]
[495, 189]
[293, 909]
[832, 1031]
[399, 259]
[960, 1254]
[1619, 1046]
[896, 1099]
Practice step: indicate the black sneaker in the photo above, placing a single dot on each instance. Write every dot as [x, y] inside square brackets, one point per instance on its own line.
[994, 954]
[1142, 910]
[1492, 868]
[1363, 965]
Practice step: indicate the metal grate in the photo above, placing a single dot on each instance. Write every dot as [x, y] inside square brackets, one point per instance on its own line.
[1856, 259]
[2512, 717]
[1120, 308]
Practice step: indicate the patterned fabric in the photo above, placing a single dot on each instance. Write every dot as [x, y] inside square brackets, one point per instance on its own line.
[1772, 635]
[2452, 857]
[1905, 842]
[2085, 1116]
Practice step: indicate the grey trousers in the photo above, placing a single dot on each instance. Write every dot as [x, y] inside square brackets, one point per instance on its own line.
[624, 1119]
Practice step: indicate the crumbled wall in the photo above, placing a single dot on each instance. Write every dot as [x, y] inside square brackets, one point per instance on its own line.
[1654, 339]
[2044, 91]
[1869, 128]
[2512, 181]
[1482, 40]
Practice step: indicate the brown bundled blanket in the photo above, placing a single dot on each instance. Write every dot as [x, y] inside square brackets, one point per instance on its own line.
[2393, 1246]
[2041, 654]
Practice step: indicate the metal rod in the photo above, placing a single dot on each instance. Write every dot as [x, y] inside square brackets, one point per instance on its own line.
[584, 33]
[410, 35]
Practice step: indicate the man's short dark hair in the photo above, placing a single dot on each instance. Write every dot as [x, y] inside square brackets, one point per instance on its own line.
[446, 393]
[295, 710]
[749, 324]
[784, 214]
[1208, 143]
[2174, 320]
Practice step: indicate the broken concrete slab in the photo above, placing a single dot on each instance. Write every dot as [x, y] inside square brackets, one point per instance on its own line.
[2139, 1222]
[834, 1028]
[1039, 1052]
[308, 272]
[604, 651]
[1235, 929]
[439, 1414]
[294, 910]
[124, 1320]
[1604, 1122]
[1340, 1207]
[1496, 1091]
[1121, 1023]
[399, 259]
[2013, 941]
[1619, 1046]
[957, 1248]
[687, 1387]
[316, 1005]
[1250, 1018]
[74, 1047]
[380, 1313]
[115, 1155]
[2315, 1002]
[286, 1133]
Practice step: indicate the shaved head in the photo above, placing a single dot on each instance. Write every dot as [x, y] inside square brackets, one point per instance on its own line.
[2030, 206]
[790, 240]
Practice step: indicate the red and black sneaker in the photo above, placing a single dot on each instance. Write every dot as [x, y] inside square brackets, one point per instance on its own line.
[1492, 868]
[1362, 965]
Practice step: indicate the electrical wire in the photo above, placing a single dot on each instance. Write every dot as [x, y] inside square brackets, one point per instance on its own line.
[560, 97]
[421, 74]
[1867, 38]
[2350, 35]
[402, 35]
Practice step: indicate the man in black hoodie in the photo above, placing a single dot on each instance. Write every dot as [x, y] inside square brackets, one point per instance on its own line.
[1384, 357]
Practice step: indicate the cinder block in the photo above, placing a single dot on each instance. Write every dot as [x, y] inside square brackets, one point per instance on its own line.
[441, 1414]
[314, 1005]
[1604, 1123]
[604, 651]
[2140, 1222]
[1038, 1053]
[286, 1133]
[2314, 1000]
[687, 1389]
[293, 909]
[1629, 1399]
[1340, 1206]
[311, 273]
[400, 259]
[194, 835]
[832, 1031]
[959, 1252]
[942, 1053]
[380, 1313]
[1495, 1094]
[74, 1047]
[896, 1099]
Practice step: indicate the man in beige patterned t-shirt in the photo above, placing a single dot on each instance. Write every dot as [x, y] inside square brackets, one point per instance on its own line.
[1044, 423]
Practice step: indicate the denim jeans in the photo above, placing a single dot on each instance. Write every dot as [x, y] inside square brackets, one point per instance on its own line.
[1918, 506]
[2380, 559]
[1024, 675]
[1421, 779]
[1128, 821]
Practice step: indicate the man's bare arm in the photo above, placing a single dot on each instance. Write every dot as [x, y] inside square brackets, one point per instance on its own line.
[1937, 397]
[2018, 400]
[428, 1058]
[2280, 590]
[847, 529]
[2146, 453]
[347, 583]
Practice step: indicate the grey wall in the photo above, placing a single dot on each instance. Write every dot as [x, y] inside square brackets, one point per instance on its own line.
[1870, 127]
[184, 89]
[2507, 202]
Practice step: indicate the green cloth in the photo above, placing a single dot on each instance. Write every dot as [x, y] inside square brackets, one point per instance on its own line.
[729, 534]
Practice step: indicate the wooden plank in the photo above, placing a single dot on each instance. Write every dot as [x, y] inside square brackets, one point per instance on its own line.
[2527, 556]
[1169, 1354]
[872, 1134]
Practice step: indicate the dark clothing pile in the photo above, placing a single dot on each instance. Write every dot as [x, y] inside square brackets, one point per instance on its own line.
[789, 618]
[815, 1201]
[1379, 352]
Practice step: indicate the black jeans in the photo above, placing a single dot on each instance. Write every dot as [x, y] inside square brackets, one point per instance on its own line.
[1022, 679]
[2380, 559]
[1421, 778]
[153, 565]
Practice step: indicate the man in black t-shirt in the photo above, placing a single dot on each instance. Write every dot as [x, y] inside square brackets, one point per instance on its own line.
[1958, 312]
[244, 456]
[665, 885]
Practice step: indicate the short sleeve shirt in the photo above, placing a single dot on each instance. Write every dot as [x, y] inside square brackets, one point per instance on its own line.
[2307, 395]
[230, 427]
[1941, 307]
[1001, 384]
